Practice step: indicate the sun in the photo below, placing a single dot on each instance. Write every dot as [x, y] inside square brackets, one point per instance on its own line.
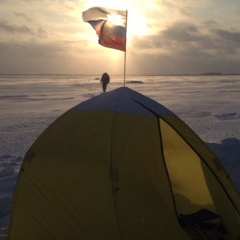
[136, 24]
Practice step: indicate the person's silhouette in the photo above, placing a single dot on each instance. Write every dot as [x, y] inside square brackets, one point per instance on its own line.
[105, 79]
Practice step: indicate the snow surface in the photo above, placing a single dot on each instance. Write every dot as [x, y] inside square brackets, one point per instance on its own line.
[210, 105]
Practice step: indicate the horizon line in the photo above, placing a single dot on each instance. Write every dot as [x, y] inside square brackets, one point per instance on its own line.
[94, 74]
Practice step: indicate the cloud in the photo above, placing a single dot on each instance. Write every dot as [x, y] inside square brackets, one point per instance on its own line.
[24, 16]
[231, 37]
[47, 57]
[187, 38]
[185, 13]
[181, 32]
[184, 36]
[13, 28]
[185, 47]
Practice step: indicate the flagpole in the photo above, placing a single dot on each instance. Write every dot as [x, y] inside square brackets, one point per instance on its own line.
[125, 52]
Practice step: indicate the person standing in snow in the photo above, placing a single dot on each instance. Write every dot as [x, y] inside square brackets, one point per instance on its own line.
[105, 79]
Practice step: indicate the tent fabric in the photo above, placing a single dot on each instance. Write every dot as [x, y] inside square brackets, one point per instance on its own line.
[121, 166]
[124, 101]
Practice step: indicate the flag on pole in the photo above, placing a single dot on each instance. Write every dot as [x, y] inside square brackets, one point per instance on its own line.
[110, 26]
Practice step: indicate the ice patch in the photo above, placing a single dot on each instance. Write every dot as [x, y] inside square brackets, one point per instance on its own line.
[228, 152]
[227, 116]
[199, 114]
[9, 166]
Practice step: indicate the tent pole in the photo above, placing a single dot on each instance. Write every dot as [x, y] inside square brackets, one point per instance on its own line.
[125, 52]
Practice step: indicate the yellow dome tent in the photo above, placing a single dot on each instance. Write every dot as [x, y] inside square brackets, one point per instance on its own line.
[120, 166]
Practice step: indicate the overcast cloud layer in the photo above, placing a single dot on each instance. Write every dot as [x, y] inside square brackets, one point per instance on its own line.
[180, 37]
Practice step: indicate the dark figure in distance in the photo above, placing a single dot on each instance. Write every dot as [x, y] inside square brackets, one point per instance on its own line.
[105, 79]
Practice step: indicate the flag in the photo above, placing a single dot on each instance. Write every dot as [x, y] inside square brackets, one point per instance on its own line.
[110, 26]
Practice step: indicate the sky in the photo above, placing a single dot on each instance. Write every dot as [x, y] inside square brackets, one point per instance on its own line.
[164, 37]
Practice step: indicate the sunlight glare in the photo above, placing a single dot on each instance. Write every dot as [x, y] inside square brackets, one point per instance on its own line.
[116, 19]
[119, 5]
[137, 23]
